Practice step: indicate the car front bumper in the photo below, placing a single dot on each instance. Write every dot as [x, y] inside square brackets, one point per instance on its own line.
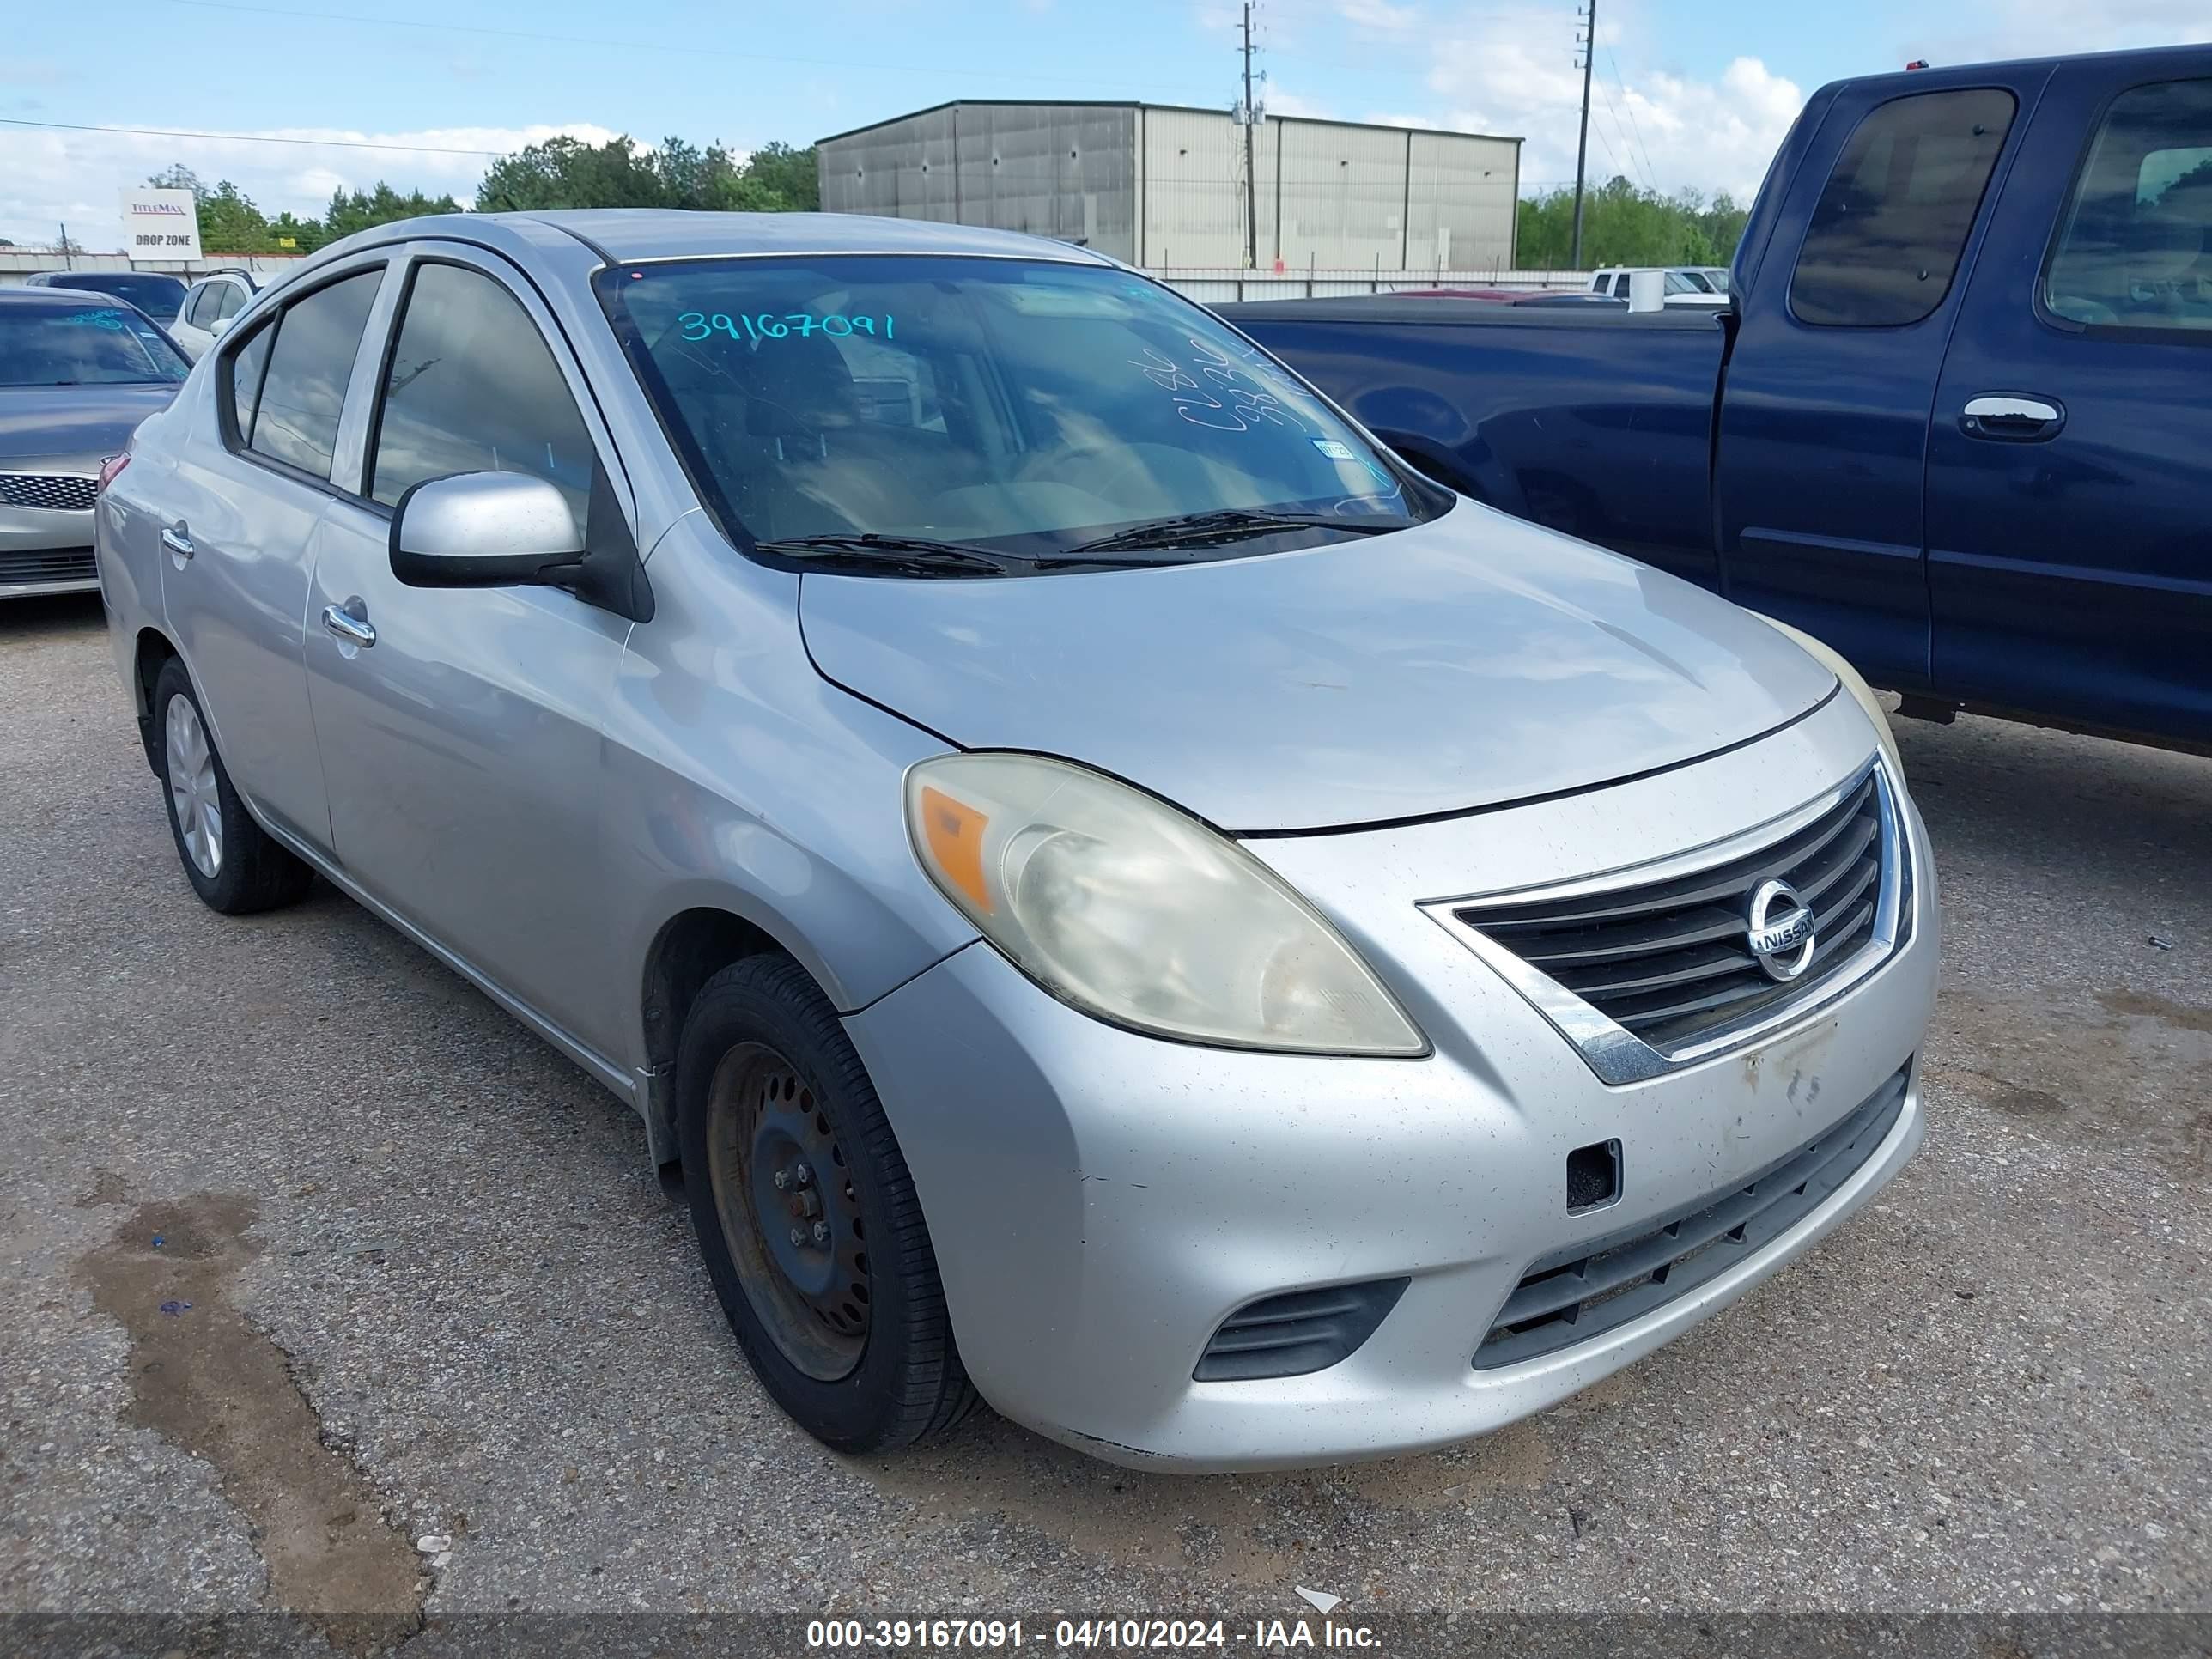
[1099, 1201]
[45, 552]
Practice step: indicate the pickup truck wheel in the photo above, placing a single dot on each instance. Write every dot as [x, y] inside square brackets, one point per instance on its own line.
[807, 1217]
[230, 860]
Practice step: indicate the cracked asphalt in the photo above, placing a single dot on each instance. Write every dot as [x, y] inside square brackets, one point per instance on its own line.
[448, 1346]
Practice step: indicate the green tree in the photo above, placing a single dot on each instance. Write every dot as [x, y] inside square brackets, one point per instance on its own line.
[177, 176]
[568, 173]
[788, 174]
[230, 224]
[1625, 225]
[364, 210]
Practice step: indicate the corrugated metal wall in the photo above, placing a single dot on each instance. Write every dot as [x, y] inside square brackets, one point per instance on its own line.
[1166, 187]
[1067, 170]
[1461, 207]
[1193, 191]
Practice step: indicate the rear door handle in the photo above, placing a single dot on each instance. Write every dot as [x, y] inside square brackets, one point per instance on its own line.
[178, 540]
[350, 629]
[2011, 419]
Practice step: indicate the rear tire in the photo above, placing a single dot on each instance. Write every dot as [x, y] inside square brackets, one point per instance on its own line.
[230, 860]
[807, 1217]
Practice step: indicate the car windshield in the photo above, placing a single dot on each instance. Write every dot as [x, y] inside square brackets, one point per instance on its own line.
[84, 345]
[156, 295]
[1027, 408]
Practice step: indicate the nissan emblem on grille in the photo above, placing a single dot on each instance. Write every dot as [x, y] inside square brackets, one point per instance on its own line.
[1781, 931]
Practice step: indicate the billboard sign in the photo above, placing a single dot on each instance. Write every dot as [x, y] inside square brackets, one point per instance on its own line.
[161, 224]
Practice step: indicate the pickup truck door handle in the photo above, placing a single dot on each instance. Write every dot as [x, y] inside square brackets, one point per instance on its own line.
[349, 629]
[2011, 419]
[178, 540]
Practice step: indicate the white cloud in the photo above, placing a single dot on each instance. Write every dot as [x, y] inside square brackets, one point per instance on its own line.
[48, 176]
[1662, 129]
[1293, 105]
[1380, 16]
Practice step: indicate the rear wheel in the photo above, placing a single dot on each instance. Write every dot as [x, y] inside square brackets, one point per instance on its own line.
[230, 860]
[807, 1217]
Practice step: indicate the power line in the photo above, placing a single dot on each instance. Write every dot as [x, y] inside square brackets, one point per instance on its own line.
[248, 137]
[1620, 132]
[1628, 102]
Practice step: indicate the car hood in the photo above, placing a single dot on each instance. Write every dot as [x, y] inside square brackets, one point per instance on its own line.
[1466, 662]
[52, 422]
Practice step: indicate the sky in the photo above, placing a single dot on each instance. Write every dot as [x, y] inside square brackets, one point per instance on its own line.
[1690, 93]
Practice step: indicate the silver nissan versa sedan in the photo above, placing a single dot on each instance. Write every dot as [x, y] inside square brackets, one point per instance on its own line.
[1122, 898]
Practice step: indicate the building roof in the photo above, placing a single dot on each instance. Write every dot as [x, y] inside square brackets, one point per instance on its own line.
[1137, 104]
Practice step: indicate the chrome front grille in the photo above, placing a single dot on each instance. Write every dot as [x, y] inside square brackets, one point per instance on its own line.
[50, 492]
[1657, 969]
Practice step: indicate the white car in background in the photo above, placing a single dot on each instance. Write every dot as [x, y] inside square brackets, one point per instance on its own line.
[215, 299]
[1687, 286]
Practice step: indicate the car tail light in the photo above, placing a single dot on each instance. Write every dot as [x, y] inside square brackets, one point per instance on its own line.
[109, 469]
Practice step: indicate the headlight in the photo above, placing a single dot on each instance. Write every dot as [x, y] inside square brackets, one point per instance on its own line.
[1858, 688]
[1130, 910]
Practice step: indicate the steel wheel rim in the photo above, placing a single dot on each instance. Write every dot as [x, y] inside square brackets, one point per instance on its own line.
[194, 801]
[799, 1243]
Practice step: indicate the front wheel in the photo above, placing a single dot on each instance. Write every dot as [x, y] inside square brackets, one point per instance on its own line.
[807, 1217]
[230, 860]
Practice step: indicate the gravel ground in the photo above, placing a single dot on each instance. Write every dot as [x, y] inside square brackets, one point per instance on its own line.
[449, 1346]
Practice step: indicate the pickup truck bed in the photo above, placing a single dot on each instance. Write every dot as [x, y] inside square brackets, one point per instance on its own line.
[1957, 421]
[1595, 423]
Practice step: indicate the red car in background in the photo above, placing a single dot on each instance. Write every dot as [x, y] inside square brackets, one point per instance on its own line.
[1516, 297]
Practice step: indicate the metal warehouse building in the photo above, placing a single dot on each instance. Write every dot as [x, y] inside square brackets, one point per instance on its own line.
[1163, 186]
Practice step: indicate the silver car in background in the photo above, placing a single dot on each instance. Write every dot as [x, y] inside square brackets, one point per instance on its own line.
[78, 372]
[1121, 896]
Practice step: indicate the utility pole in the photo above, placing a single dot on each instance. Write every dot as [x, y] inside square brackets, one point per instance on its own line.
[68, 263]
[1251, 173]
[1589, 44]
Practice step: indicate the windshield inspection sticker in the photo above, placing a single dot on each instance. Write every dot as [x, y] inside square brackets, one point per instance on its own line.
[1334, 450]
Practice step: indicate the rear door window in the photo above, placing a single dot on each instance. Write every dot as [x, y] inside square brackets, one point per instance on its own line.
[232, 301]
[204, 300]
[310, 366]
[1894, 215]
[2135, 252]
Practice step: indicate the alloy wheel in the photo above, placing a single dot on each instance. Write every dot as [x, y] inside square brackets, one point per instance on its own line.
[193, 797]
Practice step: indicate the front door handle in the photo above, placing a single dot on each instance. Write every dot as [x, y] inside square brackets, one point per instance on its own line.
[349, 629]
[178, 540]
[2011, 419]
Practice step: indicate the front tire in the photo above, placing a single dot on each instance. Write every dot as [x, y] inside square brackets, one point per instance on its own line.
[807, 1217]
[230, 860]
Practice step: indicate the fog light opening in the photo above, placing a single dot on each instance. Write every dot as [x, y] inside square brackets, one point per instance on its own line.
[1593, 1176]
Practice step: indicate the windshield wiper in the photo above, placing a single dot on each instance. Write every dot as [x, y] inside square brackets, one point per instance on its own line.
[915, 555]
[1227, 524]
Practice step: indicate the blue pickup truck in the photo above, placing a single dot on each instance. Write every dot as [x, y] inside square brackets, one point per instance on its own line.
[1958, 422]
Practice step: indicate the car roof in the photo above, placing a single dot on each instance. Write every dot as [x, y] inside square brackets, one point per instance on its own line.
[27, 298]
[626, 235]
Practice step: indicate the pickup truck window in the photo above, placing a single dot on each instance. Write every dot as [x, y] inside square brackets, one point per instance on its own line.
[2133, 253]
[1894, 215]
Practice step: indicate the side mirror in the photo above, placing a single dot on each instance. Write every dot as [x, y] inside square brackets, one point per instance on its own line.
[221, 326]
[510, 529]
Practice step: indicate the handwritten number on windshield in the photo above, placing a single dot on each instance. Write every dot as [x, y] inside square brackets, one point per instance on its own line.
[757, 326]
[1249, 401]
